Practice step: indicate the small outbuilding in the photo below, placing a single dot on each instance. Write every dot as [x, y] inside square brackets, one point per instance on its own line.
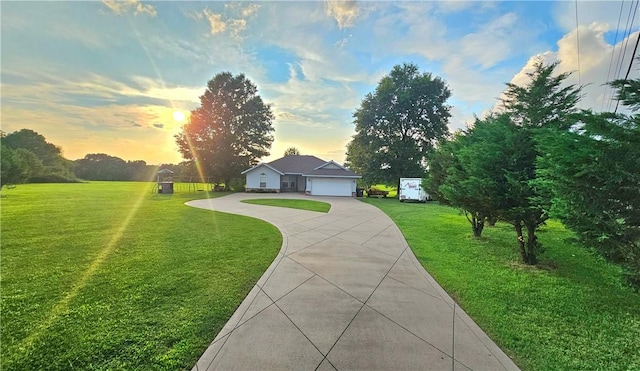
[301, 173]
[165, 181]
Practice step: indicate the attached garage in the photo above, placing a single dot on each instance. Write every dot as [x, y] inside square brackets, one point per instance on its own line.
[331, 186]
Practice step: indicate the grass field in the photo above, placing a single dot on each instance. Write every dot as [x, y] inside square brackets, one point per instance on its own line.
[108, 275]
[309, 205]
[572, 313]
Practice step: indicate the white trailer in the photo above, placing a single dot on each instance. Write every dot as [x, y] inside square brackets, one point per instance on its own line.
[411, 190]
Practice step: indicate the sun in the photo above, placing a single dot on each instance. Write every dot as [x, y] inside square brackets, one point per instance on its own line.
[178, 116]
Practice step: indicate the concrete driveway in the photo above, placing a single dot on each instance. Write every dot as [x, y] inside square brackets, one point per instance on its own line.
[344, 293]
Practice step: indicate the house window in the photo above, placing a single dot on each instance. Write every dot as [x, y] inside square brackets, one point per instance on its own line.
[263, 180]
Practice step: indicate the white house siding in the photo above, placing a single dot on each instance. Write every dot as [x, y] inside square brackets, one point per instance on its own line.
[253, 179]
[321, 186]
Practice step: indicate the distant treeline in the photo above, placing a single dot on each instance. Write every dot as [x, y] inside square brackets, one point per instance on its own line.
[27, 157]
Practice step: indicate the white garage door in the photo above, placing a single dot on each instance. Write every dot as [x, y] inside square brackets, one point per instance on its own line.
[331, 187]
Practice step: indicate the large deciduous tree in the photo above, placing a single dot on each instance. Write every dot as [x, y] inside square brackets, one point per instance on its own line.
[230, 131]
[40, 161]
[398, 125]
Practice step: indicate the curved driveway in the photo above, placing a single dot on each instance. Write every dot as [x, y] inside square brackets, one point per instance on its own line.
[344, 293]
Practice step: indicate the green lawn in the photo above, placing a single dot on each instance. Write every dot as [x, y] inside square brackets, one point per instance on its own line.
[107, 275]
[572, 313]
[309, 205]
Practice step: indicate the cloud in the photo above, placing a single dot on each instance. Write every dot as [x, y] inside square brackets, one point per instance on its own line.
[593, 48]
[597, 64]
[123, 6]
[216, 24]
[129, 131]
[493, 42]
[234, 23]
[344, 12]
[604, 12]
[250, 10]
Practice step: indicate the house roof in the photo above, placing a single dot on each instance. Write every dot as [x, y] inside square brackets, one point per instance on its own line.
[297, 164]
[265, 165]
[306, 165]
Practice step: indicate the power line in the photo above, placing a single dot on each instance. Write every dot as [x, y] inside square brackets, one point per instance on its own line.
[578, 45]
[620, 61]
[635, 48]
[615, 41]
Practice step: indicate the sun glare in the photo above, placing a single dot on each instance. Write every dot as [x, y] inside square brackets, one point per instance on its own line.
[178, 116]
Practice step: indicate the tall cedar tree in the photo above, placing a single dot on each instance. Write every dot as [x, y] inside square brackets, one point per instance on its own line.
[398, 125]
[592, 171]
[468, 171]
[545, 103]
[230, 131]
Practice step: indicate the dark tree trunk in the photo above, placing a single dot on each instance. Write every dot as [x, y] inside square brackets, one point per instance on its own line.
[491, 221]
[521, 244]
[477, 223]
[532, 244]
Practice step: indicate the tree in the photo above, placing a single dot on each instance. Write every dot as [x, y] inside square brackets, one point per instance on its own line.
[230, 131]
[100, 166]
[43, 161]
[492, 169]
[545, 104]
[592, 173]
[359, 160]
[292, 151]
[467, 172]
[11, 168]
[398, 125]
[546, 101]
[48, 153]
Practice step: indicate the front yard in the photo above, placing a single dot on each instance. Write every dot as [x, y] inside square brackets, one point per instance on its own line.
[573, 312]
[107, 275]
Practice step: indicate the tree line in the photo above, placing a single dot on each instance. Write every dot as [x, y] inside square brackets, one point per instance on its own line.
[27, 157]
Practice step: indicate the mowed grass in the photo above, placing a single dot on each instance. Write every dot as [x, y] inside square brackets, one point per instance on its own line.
[574, 312]
[108, 275]
[309, 205]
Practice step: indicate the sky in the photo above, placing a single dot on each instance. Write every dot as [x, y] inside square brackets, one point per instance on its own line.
[121, 77]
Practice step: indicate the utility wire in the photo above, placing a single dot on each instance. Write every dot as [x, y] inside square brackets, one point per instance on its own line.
[629, 69]
[615, 41]
[578, 44]
[620, 62]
